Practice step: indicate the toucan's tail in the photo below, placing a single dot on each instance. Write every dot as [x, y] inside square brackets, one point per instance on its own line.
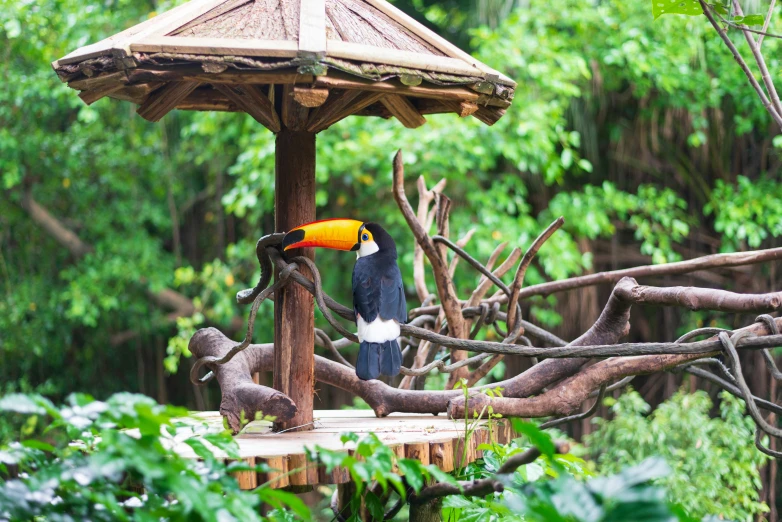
[375, 359]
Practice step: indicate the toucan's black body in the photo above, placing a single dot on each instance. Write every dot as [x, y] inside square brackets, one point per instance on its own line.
[378, 292]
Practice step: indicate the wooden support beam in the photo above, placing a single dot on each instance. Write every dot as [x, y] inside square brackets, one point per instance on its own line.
[91, 96]
[489, 115]
[309, 97]
[340, 106]
[208, 99]
[136, 93]
[464, 108]
[160, 102]
[294, 115]
[294, 307]
[254, 102]
[422, 91]
[196, 73]
[403, 110]
[99, 82]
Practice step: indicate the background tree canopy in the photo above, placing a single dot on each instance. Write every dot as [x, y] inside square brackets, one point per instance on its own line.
[643, 134]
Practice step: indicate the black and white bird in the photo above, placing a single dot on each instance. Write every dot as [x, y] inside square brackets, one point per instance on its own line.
[378, 291]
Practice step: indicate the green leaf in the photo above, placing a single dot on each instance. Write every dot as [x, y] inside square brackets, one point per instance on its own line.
[685, 7]
[411, 469]
[39, 445]
[755, 19]
[348, 437]
[440, 475]
[279, 498]
[374, 506]
[538, 438]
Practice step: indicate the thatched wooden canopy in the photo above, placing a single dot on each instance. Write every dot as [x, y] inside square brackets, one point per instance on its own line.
[297, 67]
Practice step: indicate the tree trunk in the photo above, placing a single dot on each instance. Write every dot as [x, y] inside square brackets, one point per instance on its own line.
[294, 311]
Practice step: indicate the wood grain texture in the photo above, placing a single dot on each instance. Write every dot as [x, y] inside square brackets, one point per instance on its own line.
[340, 107]
[358, 22]
[248, 19]
[312, 28]
[254, 102]
[294, 310]
[294, 115]
[247, 479]
[232, 76]
[160, 102]
[337, 81]
[310, 97]
[403, 109]
[441, 454]
[418, 451]
[277, 476]
[216, 46]
[426, 62]
[489, 115]
[92, 95]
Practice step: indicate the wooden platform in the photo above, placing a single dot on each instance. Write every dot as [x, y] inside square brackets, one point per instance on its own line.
[429, 439]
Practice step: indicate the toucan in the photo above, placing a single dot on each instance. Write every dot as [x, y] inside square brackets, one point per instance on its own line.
[378, 291]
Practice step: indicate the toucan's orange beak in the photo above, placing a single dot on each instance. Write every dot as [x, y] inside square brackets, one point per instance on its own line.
[338, 234]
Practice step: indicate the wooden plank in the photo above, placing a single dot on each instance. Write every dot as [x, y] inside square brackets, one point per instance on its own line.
[423, 91]
[210, 15]
[216, 46]
[160, 102]
[252, 101]
[100, 81]
[308, 474]
[230, 76]
[441, 454]
[247, 479]
[294, 307]
[462, 108]
[312, 29]
[277, 475]
[294, 115]
[342, 107]
[489, 115]
[310, 97]
[460, 458]
[105, 46]
[92, 95]
[403, 110]
[418, 451]
[399, 452]
[136, 93]
[434, 39]
[425, 62]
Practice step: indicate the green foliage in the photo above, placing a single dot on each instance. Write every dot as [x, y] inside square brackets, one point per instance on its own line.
[714, 466]
[82, 460]
[746, 213]
[560, 488]
[374, 461]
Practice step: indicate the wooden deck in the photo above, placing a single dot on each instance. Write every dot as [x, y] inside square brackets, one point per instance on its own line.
[429, 439]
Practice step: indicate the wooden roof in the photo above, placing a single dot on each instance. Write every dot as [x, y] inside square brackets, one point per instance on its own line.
[365, 56]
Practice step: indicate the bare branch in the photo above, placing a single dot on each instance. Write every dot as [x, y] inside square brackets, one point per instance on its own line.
[776, 116]
[518, 279]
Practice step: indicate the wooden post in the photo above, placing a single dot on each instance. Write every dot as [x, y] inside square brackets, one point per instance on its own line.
[294, 308]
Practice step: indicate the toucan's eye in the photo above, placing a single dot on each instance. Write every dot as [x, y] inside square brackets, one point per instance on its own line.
[364, 237]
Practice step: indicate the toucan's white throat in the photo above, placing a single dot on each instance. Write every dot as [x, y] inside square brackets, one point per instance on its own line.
[367, 248]
[378, 331]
